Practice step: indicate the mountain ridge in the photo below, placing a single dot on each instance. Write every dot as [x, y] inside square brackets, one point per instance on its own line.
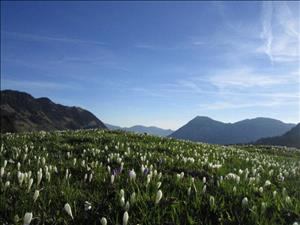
[21, 112]
[205, 129]
[290, 139]
[153, 130]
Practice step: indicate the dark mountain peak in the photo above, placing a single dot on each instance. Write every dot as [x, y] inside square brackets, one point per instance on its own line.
[204, 120]
[260, 119]
[44, 100]
[291, 138]
[205, 129]
[22, 112]
[13, 93]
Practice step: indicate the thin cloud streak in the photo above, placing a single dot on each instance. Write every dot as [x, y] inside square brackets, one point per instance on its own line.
[240, 105]
[7, 83]
[34, 37]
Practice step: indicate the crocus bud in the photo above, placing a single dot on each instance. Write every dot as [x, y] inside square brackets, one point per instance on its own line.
[125, 218]
[132, 198]
[158, 185]
[189, 191]
[112, 179]
[27, 218]
[212, 201]
[36, 195]
[5, 163]
[103, 221]
[127, 205]
[132, 175]
[122, 193]
[122, 201]
[39, 177]
[2, 172]
[245, 202]
[30, 183]
[68, 210]
[158, 196]
[7, 184]
[288, 200]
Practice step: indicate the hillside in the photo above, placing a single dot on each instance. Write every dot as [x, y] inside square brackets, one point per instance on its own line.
[110, 175]
[143, 129]
[22, 112]
[205, 129]
[289, 139]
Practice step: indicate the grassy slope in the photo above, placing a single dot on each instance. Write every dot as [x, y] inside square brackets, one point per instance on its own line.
[170, 157]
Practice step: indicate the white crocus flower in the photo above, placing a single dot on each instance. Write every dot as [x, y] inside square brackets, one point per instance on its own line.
[5, 163]
[112, 179]
[27, 218]
[158, 185]
[132, 198]
[158, 196]
[2, 172]
[39, 177]
[267, 183]
[125, 218]
[68, 210]
[245, 202]
[103, 221]
[36, 195]
[7, 184]
[30, 183]
[127, 205]
[132, 175]
[288, 200]
[189, 191]
[122, 201]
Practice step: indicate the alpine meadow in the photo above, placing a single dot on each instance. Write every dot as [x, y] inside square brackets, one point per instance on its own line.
[150, 113]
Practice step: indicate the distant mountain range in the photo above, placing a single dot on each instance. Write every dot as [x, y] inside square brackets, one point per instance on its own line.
[22, 112]
[289, 139]
[142, 129]
[205, 129]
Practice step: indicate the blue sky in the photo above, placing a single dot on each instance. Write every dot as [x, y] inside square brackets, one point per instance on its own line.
[156, 63]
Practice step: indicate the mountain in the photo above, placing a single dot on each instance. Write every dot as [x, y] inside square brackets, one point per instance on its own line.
[289, 139]
[22, 112]
[205, 129]
[113, 127]
[143, 129]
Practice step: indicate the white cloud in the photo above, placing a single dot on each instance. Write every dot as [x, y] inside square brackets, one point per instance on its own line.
[34, 37]
[18, 84]
[219, 105]
[246, 78]
[280, 32]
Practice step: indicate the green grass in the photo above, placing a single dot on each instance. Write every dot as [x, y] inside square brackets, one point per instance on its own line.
[183, 200]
